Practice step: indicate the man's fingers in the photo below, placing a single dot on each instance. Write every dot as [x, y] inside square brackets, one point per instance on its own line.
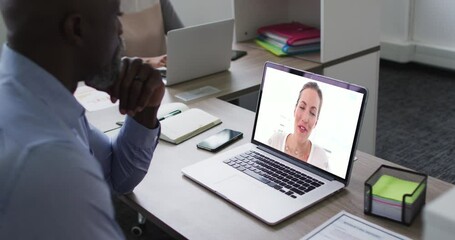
[115, 89]
[139, 86]
[132, 71]
[136, 90]
[150, 90]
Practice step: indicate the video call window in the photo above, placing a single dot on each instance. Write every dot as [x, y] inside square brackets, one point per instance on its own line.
[336, 123]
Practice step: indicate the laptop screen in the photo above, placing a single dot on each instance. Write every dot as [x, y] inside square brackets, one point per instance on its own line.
[311, 118]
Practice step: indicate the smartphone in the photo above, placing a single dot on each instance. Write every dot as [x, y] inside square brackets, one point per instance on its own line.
[220, 140]
[236, 54]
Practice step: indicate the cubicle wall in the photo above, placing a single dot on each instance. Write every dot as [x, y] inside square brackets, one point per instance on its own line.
[350, 36]
[367, 76]
[347, 27]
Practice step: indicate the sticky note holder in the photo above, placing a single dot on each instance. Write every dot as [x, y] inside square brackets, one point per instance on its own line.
[394, 193]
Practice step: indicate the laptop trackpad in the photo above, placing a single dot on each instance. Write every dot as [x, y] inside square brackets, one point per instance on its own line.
[235, 186]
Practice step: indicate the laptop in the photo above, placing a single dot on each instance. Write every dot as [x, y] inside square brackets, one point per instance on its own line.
[198, 51]
[264, 179]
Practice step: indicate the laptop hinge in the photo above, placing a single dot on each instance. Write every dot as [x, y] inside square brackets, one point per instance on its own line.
[296, 163]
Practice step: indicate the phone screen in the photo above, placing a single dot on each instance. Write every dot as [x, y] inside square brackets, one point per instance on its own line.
[220, 140]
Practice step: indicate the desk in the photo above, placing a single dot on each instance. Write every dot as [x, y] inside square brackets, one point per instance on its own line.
[186, 210]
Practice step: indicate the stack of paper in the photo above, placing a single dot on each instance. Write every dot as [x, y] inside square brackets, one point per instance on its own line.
[289, 38]
[388, 193]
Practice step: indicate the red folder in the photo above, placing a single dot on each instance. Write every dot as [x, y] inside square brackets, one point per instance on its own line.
[293, 33]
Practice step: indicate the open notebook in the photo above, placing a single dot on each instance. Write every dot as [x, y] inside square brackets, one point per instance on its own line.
[264, 177]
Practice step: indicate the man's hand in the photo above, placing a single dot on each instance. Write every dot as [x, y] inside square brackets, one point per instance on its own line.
[140, 91]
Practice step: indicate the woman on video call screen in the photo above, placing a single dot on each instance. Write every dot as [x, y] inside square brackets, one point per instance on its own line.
[309, 120]
[306, 114]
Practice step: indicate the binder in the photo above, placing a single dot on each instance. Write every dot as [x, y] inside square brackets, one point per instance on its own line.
[287, 50]
[293, 33]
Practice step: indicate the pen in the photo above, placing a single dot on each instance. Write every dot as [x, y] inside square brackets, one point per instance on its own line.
[173, 113]
[120, 123]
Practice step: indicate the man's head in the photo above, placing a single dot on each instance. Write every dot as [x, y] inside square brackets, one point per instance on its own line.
[72, 39]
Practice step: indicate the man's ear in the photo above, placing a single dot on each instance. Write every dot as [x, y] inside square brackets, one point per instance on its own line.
[72, 29]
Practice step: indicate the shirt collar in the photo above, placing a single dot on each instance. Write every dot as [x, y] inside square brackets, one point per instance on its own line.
[42, 84]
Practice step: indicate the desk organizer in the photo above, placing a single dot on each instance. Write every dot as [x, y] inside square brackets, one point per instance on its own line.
[395, 194]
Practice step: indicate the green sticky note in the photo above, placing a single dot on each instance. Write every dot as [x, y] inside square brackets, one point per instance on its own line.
[394, 188]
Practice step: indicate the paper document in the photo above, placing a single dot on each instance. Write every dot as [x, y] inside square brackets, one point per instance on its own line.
[347, 226]
[92, 99]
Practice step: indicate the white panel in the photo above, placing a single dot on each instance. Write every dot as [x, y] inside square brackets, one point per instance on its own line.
[395, 20]
[2, 32]
[363, 71]
[252, 14]
[307, 12]
[349, 26]
[434, 22]
[195, 12]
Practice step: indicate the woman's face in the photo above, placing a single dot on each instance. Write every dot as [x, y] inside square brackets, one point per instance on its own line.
[306, 114]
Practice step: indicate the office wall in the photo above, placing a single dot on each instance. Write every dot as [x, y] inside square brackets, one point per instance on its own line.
[395, 19]
[434, 22]
[193, 12]
[420, 31]
[434, 32]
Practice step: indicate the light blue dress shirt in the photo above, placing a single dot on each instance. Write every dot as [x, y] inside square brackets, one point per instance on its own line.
[56, 171]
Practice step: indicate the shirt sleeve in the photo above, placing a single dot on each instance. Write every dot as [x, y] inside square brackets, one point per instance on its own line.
[171, 20]
[60, 193]
[126, 157]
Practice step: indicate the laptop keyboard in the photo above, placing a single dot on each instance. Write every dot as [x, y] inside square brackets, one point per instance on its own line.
[273, 173]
